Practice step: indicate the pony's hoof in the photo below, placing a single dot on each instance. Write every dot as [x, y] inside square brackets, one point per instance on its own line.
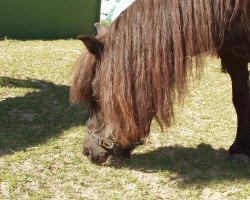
[238, 159]
[239, 148]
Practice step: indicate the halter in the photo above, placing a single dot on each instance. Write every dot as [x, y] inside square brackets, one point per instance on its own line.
[108, 143]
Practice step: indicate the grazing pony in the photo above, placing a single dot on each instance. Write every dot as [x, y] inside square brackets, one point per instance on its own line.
[132, 71]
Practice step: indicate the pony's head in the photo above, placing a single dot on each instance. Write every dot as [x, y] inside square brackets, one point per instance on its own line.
[100, 145]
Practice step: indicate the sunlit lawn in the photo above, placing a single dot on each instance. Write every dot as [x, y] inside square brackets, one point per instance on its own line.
[41, 137]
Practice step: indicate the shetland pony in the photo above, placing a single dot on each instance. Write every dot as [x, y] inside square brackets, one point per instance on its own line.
[132, 71]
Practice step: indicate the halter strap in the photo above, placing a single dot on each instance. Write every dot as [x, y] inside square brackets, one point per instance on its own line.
[108, 143]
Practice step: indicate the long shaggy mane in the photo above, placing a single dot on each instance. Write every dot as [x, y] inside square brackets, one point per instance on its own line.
[80, 90]
[149, 52]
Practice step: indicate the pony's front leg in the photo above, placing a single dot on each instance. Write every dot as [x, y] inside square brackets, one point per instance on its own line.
[238, 70]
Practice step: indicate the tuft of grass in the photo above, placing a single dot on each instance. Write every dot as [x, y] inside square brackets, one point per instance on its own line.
[41, 136]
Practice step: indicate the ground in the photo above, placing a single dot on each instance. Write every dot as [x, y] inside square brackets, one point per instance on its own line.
[41, 137]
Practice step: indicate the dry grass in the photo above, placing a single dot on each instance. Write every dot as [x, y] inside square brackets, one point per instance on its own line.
[41, 137]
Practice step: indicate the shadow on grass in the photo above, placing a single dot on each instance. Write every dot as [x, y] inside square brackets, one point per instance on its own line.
[40, 115]
[191, 165]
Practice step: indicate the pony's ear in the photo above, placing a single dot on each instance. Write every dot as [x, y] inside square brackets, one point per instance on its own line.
[93, 45]
[101, 28]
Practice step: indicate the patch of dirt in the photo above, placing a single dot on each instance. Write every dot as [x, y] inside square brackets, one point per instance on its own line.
[210, 194]
[160, 186]
[4, 190]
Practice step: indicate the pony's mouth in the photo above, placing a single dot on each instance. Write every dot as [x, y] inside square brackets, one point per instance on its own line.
[109, 160]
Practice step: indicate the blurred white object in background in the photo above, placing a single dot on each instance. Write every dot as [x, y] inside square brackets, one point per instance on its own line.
[111, 9]
[122, 5]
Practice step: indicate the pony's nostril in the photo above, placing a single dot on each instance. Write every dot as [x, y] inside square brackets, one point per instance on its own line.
[86, 151]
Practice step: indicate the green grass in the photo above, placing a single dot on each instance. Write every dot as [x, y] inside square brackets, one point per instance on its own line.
[41, 137]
